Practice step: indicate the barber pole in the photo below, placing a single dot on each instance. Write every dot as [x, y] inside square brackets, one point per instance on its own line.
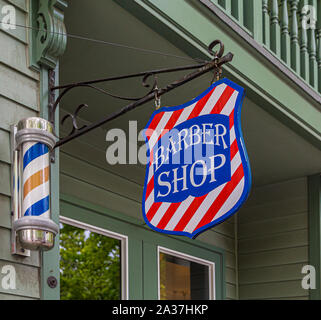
[34, 227]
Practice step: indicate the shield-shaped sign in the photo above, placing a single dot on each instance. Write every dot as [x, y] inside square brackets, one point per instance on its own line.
[198, 172]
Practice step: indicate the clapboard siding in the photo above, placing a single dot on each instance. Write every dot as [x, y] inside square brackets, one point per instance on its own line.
[5, 179]
[15, 56]
[101, 178]
[5, 217]
[274, 210]
[279, 273]
[285, 289]
[85, 174]
[292, 298]
[276, 241]
[27, 280]
[93, 147]
[267, 227]
[97, 195]
[216, 239]
[19, 4]
[19, 88]
[8, 296]
[19, 98]
[273, 242]
[4, 146]
[19, 34]
[230, 291]
[274, 257]
[12, 112]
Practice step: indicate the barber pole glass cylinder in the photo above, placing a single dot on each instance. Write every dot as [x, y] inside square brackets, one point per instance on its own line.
[35, 175]
[34, 141]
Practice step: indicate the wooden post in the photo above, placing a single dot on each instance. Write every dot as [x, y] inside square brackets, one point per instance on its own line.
[295, 47]
[285, 36]
[318, 36]
[253, 18]
[304, 45]
[266, 23]
[312, 48]
[228, 6]
[275, 29]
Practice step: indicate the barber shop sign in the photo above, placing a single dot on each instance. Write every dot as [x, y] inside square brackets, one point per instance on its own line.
[198, 173]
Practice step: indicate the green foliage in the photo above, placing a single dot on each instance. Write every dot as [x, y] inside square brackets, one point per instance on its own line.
[89, 265]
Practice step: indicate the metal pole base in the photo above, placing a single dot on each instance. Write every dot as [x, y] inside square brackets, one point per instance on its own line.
[35, 233]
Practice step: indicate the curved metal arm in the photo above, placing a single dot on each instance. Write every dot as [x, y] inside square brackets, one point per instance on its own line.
[215, 64]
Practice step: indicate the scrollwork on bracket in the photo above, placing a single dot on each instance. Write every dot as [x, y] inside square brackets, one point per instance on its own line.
[50, 32]
[73, 117]
[154, 92]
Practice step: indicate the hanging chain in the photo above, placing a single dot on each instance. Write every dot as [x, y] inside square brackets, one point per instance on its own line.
[217, 56]
[217, 71]
[157, 101]
[157, 98]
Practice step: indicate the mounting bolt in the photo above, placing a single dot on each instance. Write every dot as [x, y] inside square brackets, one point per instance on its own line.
[52, 282]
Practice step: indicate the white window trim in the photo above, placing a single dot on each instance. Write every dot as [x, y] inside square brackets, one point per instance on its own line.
[124, 248]
[210, 264]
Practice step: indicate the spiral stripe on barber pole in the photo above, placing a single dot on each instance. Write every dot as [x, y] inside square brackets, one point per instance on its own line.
[35, 189]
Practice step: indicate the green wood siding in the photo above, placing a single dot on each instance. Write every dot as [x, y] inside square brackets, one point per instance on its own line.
[273, 242]
[86, 175]
[19, 33]
[27, 286]
[19, 98]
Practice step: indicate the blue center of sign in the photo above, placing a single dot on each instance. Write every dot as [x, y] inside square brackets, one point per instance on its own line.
[192, 159]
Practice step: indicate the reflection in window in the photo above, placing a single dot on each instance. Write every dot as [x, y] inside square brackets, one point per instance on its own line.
[90, 266]
[181, 279]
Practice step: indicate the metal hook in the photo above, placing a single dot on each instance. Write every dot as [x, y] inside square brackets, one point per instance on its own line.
[217, 72]
[217, 55]
[157, 99]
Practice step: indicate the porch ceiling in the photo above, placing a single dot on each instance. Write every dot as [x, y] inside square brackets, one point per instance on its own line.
[276, 152]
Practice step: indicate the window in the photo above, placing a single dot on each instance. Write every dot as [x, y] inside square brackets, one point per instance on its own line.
[183, 277]
[144, 254]
[92, 263]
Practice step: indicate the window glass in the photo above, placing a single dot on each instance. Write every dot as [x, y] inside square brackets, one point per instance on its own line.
[90, 265]
[181, 279]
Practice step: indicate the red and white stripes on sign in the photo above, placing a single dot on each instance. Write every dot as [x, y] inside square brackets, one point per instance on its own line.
[193, 213]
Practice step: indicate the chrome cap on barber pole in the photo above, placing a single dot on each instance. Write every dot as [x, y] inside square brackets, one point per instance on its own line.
[34, 140]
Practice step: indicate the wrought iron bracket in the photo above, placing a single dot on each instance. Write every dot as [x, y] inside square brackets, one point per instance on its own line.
[153, 91]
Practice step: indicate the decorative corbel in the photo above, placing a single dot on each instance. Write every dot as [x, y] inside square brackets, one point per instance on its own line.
[50, 33]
